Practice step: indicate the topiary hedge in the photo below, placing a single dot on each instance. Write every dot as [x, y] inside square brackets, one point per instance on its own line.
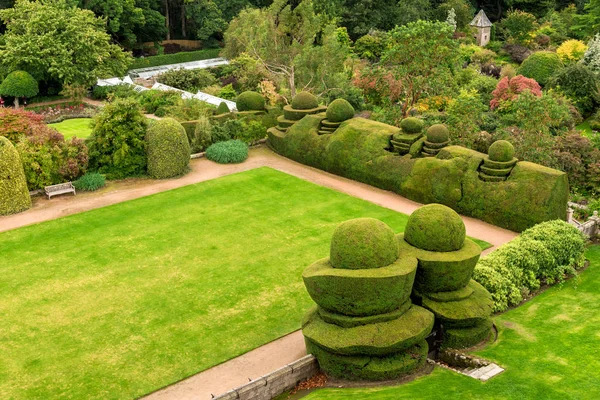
[250, 101]
[223, 108]
[412, 125]
[19, 84]
[14, 196]
[501, 151]
[168, 149]
[438, 133]
[339, 110]
[228, 152]
[435, 227]
[541, 66]
[305, 101]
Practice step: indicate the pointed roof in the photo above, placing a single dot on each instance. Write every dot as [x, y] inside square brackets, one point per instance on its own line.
[481, 20]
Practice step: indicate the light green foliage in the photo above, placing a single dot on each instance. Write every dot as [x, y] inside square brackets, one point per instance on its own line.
[185, 109]
[14, 196]
[304, 101]
[206, 18]
[229, 152]
[412, 125]
[250, 101]
[435, 227]
[90, 182]
[19, 84]
[190, 80]
[438, 133]
[252, 131]
[372, 45]
[541, 66]
[117, 145]
[223, 108]
[55, 41]
[74, 127]
[154, 100]
[484, 85]
[464, 115]
[363, 243]
[501, 150]
[339, 110]
[518, 26]
[168, 149]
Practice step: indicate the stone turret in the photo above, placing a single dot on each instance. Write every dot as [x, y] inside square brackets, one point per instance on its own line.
[484, 28]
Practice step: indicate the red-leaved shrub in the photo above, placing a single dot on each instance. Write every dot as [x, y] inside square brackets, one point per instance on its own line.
[15, 125]
[509, 89]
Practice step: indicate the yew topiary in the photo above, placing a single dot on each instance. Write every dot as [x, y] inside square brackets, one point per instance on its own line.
[14, 196]
[168, 149]
[541, 66]
[339, 110]
[435, 227]
[412, 125]
[222, 109]
[250, 101]
[305, 101]
[501, 151]
[438, 133]
[363, 243]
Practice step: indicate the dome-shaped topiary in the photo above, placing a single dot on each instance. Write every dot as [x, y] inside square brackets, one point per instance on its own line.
[438, 133]
[19, 84]
[250, 101]
[339, 110]
[168, 149]
[435, 227]
[14, 196]
[223, 109]
[305, 101]
[363, 243]
[412, 125]
[541, 66]
[501, 150]
[228, 152]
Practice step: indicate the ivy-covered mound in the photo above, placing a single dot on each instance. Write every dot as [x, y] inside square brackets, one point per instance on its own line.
[168, 149]
[436, 236]
[359, 150]
[410, 138]
[303, 104]
[364, 326]
[14, 196]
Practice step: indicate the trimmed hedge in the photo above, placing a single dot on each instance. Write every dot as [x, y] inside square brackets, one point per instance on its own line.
[438, 133]
[223, 108]
[339, 110]
[501, 151]
[304, 101]
[14, 196]
[435, 227]
[346, 321]
[229, 152]
[19, 84]
[168, 149]
[463, 338]
[250, 101]
[166, 59]
[90, 182]
[541, 66]
[363, 243]
[412, 125]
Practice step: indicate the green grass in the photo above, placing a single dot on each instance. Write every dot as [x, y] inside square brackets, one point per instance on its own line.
[585, 128]
[550, 348]
[76, 127]
[122, 300]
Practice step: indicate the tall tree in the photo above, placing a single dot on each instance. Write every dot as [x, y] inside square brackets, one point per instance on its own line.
[122, 17]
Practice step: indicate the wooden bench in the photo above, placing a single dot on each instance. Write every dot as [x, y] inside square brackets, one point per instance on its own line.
[61, 188]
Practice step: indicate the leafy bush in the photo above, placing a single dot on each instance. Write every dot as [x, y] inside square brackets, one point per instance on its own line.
[190, 80]
[19, 84]
[15, 125]
[571, 51]
[591, 58]
[464, 114]
[371, 46]
[186, 109]
[518, 26]
[116, 145]
[484, 85]
[153, 100]
[304, 101]
[113, 92]
[576, 155]
[339, 110]
[14, 196]
[250, 101]
[541, 66]
[166, 59]
[168, 149]
[90, 182]
[227, 92]
[202, 135]
[412, 125]
[509, 89]
[252, 132]
[580, 85]
[230, 129]
[229, 152]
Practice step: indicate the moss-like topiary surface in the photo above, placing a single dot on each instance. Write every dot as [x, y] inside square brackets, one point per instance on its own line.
[360, 292]
[438, 133]
[454, 295]
[501, 151]
[442, 271]
[339, 111]
[435, 227]
[363, 243]
[462, 338]
[370, 368]
[293, 114]
[250, 101]
[373, 339]
[14, 196]
[304, 101]
[412, 125]
[347, 321]
[168, 149]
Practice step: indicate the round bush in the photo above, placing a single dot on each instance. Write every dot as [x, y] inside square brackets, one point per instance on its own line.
[19, 84]
[541, 66]
[223, 109]
[229, 152]
[305, 101]
[412, 125]
[435, 227]
[90, 182]
[501, 150]
[438, 133]
[250, 101]
[168, 149]
[14, 196]
[339, 110]
[363, 243]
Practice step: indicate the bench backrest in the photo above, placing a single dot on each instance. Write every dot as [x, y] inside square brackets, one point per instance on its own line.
[60, 186]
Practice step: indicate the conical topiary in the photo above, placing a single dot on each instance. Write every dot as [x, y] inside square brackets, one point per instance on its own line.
[14, 196]
[222, 109]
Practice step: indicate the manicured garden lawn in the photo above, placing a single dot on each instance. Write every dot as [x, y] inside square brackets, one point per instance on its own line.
[122, 300]
[550, 348]
[78, 127]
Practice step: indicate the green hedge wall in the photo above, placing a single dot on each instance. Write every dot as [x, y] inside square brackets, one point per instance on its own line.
[166, 59]
[14, 196]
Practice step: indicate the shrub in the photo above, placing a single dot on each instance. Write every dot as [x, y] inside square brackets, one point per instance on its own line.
[227, 92]
[464, 115]
[518, 26]
[508, 71]
[540, 66]
[576, 155]
[339, 110]
[229, 152]
[347, 91]
[166, 59]
[484, 85]
[202, 135]
[371, 46]
[230, 129]
[250, 101]
[591, 58]
[116, 145]
[412, 125]
[571, 51]
[580, 85]
[19, 84]
[90, 182]
[223, 108]
[517, 52]
[501, 151]
[252, 132]
[168, 149]
[304, 101]
[435, 227]
[190, 80]
[153, 100]
[113, 92]
[186, 110]
[15, 125]
[509, 89]
[14, 196]
[438, 133]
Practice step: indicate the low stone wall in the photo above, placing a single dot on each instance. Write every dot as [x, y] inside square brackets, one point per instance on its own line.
[273, 384]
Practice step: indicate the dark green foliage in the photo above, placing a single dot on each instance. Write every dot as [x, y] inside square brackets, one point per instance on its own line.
[371, 46]
[155, 61]
[412, 125]
[202, 134]
[339, 110]
[228, 130]
[360, 292]
[116, 145]
[463, 338]
[117, 91]
[168, 149]
[90, 182]
[438, 133]
[19, 84]
[501, 151]
[157, 101]
[541, 66]
[580, 85]
[484, 85]
[229, 152]
[363, 243]
[222, 109]
[304, 101]
[190, 80]
[435, 227]
[250, 101]
[14, 196]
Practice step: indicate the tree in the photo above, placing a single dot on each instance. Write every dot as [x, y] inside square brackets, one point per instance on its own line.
[205, 18]
[463, 12]
[591, 58]
[579, 85]
[123, 18]
[53, 40]
[518, 27]
[19, 84]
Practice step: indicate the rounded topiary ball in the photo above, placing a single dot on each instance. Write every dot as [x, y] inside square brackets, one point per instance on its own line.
[412, 125]
[250, 101]
[501, 150]
[438, 133]
[305, 101]
[363, 243]
[435, 227]
[339, 111]
[14, 195]
[168, 149]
